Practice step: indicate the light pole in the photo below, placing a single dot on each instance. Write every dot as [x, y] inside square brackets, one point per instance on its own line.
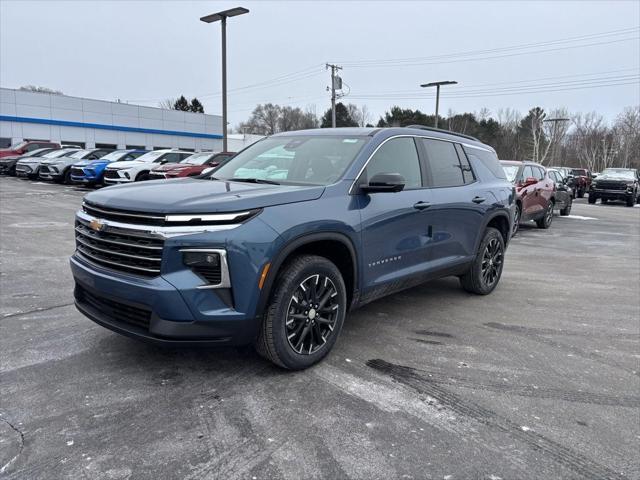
[222, 18]
[437, 85]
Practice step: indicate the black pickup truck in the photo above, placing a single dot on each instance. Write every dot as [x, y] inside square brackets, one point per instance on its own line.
[616, 184]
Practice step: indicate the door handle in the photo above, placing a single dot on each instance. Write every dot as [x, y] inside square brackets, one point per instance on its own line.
[478, 199]
[421, 205]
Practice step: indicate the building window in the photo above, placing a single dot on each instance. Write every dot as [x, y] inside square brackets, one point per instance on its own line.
[162, 148]
[69, 143]
[109, 146]
[5, 142]
[135, 147]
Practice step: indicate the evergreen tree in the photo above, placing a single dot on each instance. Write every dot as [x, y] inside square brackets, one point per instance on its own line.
[182, 104]
[196, 106]
[343, 117]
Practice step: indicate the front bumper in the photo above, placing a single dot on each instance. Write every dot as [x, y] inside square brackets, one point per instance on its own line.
[611, 194]
[154, 311]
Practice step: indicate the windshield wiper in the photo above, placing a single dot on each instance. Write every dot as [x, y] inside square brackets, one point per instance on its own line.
[253, 180]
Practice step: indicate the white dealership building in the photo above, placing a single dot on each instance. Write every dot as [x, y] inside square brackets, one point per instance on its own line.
[91, 123]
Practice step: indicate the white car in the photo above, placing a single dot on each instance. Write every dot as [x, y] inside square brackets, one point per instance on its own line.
[138, 169]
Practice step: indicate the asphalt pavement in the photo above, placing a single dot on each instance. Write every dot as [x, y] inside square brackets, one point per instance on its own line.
[540, 379]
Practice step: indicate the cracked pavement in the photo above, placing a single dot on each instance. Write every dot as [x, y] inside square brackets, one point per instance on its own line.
[540, 379]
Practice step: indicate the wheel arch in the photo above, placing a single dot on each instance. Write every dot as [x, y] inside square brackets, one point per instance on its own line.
[500, 221]
[335, 246]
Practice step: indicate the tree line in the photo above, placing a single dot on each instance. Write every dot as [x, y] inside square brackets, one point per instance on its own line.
[556, 137]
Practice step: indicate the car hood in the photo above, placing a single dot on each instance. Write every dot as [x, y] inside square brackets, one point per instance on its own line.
[615, 177]
[129, 164]
[49, 161]
[11, 158]
[172, 166]
[189, 195]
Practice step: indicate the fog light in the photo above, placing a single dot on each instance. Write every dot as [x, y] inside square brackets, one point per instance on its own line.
[201, 259]
[126, 174]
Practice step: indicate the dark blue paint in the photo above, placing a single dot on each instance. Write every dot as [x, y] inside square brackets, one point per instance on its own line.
[392, 241]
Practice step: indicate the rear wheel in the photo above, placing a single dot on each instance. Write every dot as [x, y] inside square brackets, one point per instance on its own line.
[305, 314]
[545, 221]
[567, 209]
[486, 270]
[516, 219]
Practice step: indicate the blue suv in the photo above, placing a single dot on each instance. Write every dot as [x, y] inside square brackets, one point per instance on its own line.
[277, 245]
[91, 172]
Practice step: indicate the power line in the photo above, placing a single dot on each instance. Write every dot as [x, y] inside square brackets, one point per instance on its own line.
[378, 62]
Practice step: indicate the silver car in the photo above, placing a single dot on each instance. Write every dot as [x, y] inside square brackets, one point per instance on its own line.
[30, 166]
[59, 169]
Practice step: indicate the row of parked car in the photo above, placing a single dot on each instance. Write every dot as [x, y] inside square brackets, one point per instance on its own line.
[542, 190]
[101, 166]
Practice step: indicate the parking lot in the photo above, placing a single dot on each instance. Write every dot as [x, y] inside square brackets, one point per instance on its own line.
[540, 379]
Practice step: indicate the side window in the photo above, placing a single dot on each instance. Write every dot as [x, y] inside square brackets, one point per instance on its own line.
[32, 146]
[540, 173]
[528, 173]
[185, 155]
[127, 157]
[172, 157]
[467, 171]
[444, 164]
[398, 155]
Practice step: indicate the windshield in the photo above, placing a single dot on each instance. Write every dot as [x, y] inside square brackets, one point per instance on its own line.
[198, 158]
[150, 157]
[58, 153]
[619, 172]
[114, 155]
[36, 153]
[80, 153]
[579, 172]
[511, 171]
[307, 160]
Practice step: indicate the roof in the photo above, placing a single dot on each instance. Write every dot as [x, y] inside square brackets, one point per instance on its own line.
[521, 162]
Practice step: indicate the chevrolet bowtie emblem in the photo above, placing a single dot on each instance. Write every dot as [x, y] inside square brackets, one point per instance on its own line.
[96, 225]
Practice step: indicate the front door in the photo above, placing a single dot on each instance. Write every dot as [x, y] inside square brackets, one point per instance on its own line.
[394, 228]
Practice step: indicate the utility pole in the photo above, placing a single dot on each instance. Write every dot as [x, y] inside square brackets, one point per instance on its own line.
[555, 134]
[334, 80]
[437, 85]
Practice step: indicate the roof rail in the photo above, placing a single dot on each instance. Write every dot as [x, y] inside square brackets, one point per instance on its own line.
[448, 132]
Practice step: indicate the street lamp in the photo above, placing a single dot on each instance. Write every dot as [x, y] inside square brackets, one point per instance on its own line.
[437, 85]
[222, 18]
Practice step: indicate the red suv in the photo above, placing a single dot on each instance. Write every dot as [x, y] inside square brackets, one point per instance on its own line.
[191, 166]
[25, 147]
[535, 191]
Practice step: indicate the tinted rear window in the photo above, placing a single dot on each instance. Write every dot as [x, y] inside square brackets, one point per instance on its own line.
[488, 159]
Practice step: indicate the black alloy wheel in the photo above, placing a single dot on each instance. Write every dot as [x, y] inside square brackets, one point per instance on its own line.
[312, 314]
[492, 259]
[516, 220]
[486, 269]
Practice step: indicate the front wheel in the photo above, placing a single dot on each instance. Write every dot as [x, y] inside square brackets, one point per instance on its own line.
[580, 193]
[486, 270]
[545, 222]
[305, 314]
[142, 176]
[592, 199]
[631, 201]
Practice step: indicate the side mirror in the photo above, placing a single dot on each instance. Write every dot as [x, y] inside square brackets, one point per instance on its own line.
[384, 182]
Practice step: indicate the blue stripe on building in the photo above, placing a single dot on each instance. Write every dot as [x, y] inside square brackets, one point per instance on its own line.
[100, 126]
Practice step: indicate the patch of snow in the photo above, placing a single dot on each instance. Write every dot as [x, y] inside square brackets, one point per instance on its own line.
[69, 443]
[525, 429]
[580, 217]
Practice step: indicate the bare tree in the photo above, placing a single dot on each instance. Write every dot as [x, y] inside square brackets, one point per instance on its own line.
[167, 103]
[555, 130]
[295, 119]
[589, 138]
[360, 115]
[627, 137]
[34, 88]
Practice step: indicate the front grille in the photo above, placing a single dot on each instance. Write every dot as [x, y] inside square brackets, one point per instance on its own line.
[111, 173]
[24, 168]
[77, 172]
[126, 216]
[140, 317]
[213, 275]
[134, 254]
[605, 185]
[44, 169]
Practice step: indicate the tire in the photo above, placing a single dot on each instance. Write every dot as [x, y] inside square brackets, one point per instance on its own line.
[604, 201]
[66, 178]
[516, 220]
[592, 199]
[567, 210]
[631, 201]
[580, 193]
[545, 221]
[296, 343]
[142, 176]
[486, 270]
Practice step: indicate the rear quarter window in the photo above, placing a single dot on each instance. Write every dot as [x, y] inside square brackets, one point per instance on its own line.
[488, 159]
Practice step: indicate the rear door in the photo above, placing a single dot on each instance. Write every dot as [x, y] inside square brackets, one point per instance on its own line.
[458, 202]
[394, 229]
[530, 204]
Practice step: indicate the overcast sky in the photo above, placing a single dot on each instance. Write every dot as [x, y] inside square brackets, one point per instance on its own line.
[143, 52]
